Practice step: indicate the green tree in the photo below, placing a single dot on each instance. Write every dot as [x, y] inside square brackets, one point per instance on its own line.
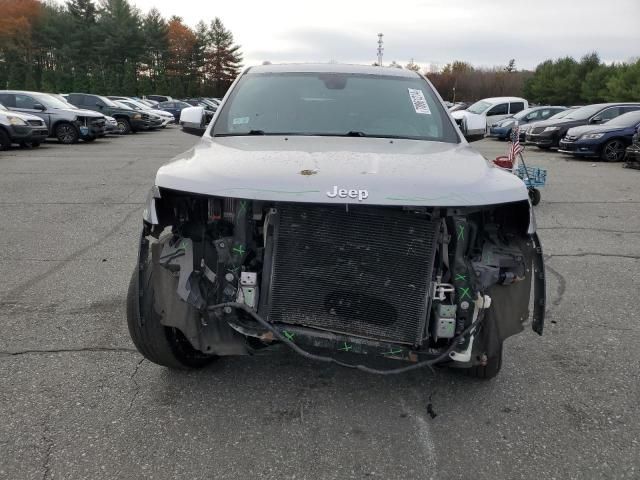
[624, 84]
[155, 52]
[120, 46]
[224, 56]
[594, 86]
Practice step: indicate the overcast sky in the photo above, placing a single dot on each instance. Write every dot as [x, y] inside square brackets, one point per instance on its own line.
[483, 32]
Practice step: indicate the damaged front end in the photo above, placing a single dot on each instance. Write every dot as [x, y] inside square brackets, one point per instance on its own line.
[424, 285]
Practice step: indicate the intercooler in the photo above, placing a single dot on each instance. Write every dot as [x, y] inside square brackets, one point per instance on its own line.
[364, 271]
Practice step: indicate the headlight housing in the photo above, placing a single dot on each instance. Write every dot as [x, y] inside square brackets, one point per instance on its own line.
[15, 120]
[137, 116]
[551, 129]
[592, 136]
[506, 123]
[149, 214]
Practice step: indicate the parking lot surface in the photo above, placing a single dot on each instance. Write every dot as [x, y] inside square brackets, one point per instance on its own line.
[77, 401]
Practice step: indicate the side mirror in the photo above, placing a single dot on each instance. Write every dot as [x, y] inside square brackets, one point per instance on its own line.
[193, 120]
[39, 107]
[596, 120]
[472, 135]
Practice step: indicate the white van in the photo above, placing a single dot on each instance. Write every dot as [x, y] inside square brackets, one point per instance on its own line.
[484, 113]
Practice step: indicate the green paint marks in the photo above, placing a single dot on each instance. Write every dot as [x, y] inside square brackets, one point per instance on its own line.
[464, 292]
[460, 277]
[239, 250]
[393, 351]
[346, 347]
[243, 208]
[460, 232]
[288, 335]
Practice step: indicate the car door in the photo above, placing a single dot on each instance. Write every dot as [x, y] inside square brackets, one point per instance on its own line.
[27, 104]
[497, 113]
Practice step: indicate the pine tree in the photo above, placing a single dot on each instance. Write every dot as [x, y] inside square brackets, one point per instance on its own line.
[224, 56]
[156, 50]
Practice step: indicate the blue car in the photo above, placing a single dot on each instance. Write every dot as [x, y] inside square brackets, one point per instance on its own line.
[608, 141]
[502, 129]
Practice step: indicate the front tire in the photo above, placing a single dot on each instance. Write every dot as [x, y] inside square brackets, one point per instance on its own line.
[67, 134]
[162, 345]
[613, 151]
[124, 126]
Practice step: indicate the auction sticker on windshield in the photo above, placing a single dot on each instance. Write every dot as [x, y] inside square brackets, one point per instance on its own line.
[419, 102]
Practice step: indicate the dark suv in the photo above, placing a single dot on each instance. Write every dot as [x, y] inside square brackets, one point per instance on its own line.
[128, 120]
[548, 133]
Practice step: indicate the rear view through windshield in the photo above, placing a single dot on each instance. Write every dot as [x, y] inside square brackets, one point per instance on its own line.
[333, 104]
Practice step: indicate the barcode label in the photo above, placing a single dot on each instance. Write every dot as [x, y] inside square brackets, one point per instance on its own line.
[419, 102]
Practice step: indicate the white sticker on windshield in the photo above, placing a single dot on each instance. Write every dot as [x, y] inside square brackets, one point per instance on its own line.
[241, 120]
[419, 102]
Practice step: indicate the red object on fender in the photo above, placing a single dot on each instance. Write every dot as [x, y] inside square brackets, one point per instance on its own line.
[503, 162]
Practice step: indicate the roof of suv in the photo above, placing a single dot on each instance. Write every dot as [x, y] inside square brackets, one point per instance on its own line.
[332, 68]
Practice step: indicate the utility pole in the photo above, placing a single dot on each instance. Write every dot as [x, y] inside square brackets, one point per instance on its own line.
[380, 49]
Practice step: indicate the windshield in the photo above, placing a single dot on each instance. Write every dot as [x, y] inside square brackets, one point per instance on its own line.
[584, 112]
[561, 114]
[63, 100]
[334, 104]
[479, 107]
[139, 105]
[50, 101]
[121, 104]
[521, 115]
[630, 119]
[110, 103]
[130, 104]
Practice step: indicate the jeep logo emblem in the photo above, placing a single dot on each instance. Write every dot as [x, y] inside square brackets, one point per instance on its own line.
[348, 193]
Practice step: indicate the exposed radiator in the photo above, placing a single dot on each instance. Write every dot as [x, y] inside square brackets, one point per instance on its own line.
[364, 272]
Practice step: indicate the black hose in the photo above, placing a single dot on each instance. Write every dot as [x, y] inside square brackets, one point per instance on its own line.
[364, 368]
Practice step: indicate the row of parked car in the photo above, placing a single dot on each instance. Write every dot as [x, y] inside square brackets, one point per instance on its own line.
[603, 130]
[29, 118]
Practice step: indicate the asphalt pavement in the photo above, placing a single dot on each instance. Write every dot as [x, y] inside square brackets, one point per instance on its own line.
[78, 402]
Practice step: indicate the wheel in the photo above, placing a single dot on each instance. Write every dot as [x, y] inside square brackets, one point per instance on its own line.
[5, 140]
[124, 127]
[535, 196]
[90, 139]
[67, 133]
[613, 151]
[490, 370]
[159, 344]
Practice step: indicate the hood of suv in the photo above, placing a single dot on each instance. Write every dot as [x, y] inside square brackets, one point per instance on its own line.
[23, 116]
[317, 169]
[80, 112]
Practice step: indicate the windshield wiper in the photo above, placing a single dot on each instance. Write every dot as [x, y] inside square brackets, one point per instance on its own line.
[241, 134]
[355, 133]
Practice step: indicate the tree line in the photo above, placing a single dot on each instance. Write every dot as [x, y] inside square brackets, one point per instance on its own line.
[111, 48]
[564, 81]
